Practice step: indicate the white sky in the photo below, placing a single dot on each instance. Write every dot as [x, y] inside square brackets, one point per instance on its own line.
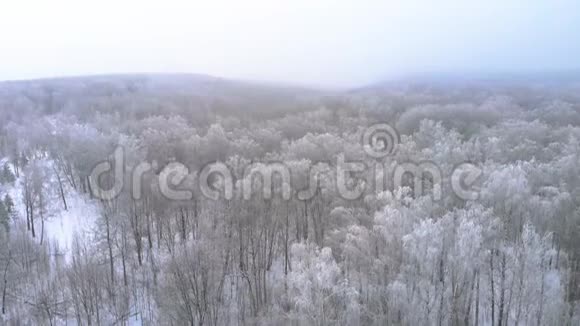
[331, 43]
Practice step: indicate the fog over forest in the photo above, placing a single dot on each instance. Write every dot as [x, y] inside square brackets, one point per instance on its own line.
[195, 200]
[294, 162]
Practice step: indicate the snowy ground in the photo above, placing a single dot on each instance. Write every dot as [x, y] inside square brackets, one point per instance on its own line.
[61, 225]
[78, 219]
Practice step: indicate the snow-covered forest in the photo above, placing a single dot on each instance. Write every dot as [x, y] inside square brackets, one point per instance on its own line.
[505, 250]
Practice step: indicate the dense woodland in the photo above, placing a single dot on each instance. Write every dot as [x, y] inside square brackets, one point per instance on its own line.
[510, 256]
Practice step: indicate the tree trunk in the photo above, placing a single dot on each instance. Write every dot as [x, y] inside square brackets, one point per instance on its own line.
[27, 216]
[467, 316]
[61, 189]
[305, 222]
[32, 223]
[41, 211]
[110, 248]
[502, 289]
[4, 296]
[149, 237]
[492, 285]
[541, 308]
[183, 225]
[286, 257]
[4, 290]
[125, 280]
[477, 301]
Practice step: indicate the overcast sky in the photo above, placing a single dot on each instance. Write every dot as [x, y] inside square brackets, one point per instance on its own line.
[330, 43]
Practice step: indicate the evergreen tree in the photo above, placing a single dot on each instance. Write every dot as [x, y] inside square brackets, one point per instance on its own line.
[9, 204]
[6, 175]
[4, 217]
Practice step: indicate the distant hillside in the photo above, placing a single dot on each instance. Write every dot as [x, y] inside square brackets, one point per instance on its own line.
[147, 94]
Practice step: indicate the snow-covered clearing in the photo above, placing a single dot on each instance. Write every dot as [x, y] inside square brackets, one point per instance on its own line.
[60, 225]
